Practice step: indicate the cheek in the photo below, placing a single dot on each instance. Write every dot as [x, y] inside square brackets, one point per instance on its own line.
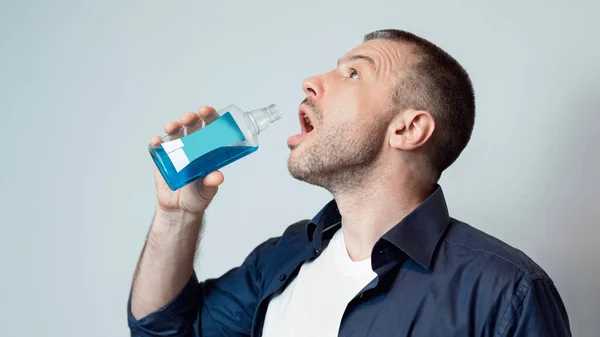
[352, 102]
[344, 109]
[339, 118]
[363, 102]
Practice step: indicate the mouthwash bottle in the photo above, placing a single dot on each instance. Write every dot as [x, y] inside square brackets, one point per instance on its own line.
[203, 148]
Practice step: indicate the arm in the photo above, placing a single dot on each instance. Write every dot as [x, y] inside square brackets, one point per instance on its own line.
[164, 286]
[223, 306]
[167, 260]
[166, 263]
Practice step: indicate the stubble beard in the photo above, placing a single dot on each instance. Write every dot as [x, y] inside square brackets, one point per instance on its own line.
[339, 158]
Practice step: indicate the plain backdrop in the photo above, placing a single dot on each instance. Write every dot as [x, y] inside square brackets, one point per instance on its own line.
[85, 84]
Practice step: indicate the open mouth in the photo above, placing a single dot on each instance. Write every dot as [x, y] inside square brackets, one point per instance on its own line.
[306, 126]
[305, 123]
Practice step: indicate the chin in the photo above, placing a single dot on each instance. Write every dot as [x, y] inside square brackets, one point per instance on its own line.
[296, 169]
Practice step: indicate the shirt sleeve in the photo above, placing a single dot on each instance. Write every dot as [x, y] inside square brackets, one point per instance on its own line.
[220, 306]
[537, 310]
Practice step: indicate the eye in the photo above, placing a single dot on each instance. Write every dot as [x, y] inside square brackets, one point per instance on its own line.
[352, 73]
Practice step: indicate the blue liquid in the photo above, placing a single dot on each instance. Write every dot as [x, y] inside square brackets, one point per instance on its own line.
[198, 168]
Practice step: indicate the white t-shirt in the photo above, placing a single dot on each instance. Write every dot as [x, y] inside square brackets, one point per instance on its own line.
[314, 302]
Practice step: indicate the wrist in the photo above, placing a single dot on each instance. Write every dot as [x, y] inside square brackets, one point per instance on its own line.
[176, 221]
[177, 214]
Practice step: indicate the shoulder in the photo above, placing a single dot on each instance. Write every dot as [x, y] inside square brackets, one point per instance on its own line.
[505, 280]
[467, 245]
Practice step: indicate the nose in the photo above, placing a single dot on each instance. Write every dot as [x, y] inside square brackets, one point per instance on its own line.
[313, 87]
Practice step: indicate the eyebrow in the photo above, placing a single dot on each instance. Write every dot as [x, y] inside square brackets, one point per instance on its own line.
[360, 57]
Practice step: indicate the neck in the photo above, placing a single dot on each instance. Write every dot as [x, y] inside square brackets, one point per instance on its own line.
[368, 213]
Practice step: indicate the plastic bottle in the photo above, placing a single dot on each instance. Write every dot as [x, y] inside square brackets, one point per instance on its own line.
[207, 146]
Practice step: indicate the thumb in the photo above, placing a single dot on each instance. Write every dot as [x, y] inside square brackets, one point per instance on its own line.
[214, 179]
[204, 189]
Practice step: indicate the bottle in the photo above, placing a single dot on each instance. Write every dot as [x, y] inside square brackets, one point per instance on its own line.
[229, 135]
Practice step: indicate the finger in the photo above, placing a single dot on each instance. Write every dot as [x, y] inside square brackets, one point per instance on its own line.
[154, 141]
[208, 113]
[191, 121]
[200, 192]
[189, 118]
[213, 179]
[172, 127]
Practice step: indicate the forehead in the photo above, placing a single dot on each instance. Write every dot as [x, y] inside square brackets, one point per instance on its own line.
[387, 54]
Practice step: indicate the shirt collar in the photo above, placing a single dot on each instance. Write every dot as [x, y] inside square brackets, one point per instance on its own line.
[417, 235]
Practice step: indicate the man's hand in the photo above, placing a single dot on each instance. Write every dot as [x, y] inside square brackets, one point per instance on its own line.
[195, 197]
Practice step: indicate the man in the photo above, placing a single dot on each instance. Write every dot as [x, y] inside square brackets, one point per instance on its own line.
[384, 258]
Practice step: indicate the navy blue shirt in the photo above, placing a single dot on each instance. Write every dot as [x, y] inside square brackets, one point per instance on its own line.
[436, 276]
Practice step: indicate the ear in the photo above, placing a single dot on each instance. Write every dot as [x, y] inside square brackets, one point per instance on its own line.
[411, 129]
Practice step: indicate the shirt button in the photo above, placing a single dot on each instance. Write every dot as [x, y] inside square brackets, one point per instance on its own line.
[282, 277]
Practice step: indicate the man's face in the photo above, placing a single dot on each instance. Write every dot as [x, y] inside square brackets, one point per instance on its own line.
[349, 108]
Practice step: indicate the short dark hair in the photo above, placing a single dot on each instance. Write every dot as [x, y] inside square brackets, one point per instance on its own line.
[437, 83]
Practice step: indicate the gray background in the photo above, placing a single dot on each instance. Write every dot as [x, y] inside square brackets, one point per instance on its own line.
[84, 85]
